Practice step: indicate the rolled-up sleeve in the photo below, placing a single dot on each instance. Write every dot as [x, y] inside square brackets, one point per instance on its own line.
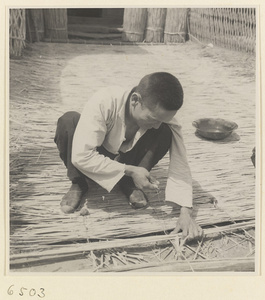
[90, 134]
[179, 182]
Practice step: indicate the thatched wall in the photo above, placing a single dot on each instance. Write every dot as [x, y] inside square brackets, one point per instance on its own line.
[176, 25]
[134, 24]
[155, 25]
[55, 21]
[154, 31]
[233, 28]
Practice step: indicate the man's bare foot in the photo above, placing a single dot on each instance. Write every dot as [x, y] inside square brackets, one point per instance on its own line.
[72, 199]
[138, 199]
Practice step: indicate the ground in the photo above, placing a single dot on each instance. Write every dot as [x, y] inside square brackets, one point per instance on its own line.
[53, 78]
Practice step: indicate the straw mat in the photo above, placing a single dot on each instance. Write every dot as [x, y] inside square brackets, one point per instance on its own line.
[54, 78]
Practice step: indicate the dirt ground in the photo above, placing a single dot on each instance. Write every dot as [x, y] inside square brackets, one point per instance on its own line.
[209, 75]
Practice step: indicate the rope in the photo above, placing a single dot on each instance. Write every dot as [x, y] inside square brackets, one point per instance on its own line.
[16, 38]
[174, 33]
[155, 29]
[133, 32]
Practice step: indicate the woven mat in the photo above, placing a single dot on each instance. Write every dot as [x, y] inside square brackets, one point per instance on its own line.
[54, 78]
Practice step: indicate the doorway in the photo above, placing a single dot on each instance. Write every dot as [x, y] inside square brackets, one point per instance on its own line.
[95, 23]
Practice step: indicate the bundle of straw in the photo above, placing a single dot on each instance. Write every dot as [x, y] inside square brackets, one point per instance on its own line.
[156, 18]
[176, 25]
[55, 24]
[134, 23]
[36, 24]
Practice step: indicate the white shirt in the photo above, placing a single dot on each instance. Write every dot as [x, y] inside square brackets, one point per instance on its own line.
[102, 123]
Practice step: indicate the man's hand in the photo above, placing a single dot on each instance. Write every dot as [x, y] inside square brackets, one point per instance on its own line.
[141, 178]
[188, 226]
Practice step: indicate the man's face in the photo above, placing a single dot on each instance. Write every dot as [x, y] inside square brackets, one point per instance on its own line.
[148, 118]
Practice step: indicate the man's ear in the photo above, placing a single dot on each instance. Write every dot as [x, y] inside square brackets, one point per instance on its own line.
[135, 99]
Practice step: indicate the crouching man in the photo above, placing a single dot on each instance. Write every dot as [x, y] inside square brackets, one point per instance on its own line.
[120, 136]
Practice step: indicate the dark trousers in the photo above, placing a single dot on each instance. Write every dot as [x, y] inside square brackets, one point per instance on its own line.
[149, 149]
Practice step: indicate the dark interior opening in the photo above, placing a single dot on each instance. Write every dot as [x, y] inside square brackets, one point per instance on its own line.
[85, 12]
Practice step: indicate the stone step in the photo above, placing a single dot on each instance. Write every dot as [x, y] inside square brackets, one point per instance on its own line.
[91, 35]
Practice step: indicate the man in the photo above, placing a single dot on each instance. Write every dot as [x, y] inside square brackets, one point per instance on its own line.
[120, 136]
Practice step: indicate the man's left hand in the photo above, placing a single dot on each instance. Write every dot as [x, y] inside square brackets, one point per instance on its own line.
[190, 229]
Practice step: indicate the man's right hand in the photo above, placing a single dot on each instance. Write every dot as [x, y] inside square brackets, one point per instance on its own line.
[141, 177]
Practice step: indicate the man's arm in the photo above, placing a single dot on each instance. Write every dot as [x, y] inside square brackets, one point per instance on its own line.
[187, 224]
[179, 184]
[90, 134]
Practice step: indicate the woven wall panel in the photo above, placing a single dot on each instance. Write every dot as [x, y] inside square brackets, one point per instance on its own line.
[233, 28]
[17, 31]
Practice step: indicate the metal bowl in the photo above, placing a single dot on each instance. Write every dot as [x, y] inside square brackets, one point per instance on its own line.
[214, 129]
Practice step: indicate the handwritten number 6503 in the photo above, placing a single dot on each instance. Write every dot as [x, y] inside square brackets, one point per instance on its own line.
[32, 292]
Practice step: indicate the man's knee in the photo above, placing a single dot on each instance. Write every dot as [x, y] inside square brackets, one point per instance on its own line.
[65, 127]
[69, 119]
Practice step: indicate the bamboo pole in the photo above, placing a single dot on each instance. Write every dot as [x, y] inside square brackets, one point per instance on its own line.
[69, 251]
[218, 265]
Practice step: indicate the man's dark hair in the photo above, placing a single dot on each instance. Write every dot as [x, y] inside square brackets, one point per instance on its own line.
[161, 88]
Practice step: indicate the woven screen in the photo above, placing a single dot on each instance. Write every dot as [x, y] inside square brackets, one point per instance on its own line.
[233, 28]
[17, 31]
